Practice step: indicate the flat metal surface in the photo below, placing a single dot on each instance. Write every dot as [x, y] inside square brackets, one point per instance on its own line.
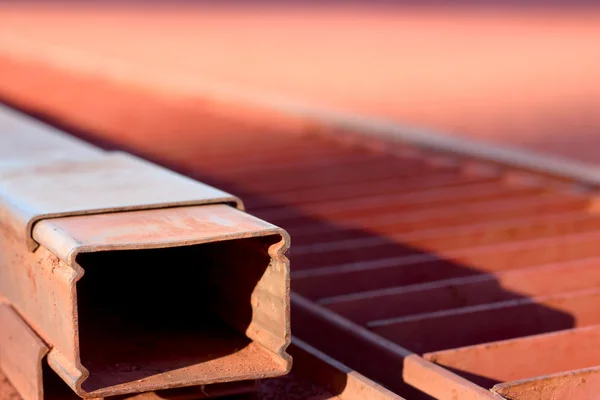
[115, 182]
[73, 180]
[26, 141]
[537, 355]
[67, 237]
[315, 375]
[583, 384]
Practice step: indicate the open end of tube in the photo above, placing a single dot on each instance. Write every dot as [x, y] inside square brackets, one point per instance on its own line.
[174, 316]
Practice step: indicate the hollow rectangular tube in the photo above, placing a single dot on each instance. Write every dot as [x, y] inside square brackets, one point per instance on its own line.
[466, 291]
[250, 304]
[137, 278]
[48, 288]
[313, 371]
[23, 362]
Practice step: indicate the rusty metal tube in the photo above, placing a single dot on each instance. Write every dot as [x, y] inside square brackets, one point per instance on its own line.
[136, 278]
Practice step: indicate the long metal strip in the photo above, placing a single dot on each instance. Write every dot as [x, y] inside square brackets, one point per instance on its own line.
[468, 291]
[28, 141]
[492, 322]
[115, 182]
[538, 355]
[365, 351]
[582, 384]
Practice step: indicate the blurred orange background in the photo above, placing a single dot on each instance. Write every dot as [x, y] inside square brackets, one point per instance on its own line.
[525, 76]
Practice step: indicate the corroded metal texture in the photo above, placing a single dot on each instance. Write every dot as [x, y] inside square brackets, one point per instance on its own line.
[186, 290]
[315, 375]
[462, 252]
[241, 278]
[112, 182]
[538, 355]
[21, 354]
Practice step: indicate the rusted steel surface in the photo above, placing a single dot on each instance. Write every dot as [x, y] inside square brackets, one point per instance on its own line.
[583, 384]
[385, 361]
[227, 320]
[69, 310]
[315, 375]
[373, 274]
[490, 322]
[489, 251]
[468, 291]
[537, 355]
[21, 354]
[106, 182]
[335, 376]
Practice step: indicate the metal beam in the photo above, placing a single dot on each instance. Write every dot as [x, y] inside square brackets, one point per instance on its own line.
[137, 278]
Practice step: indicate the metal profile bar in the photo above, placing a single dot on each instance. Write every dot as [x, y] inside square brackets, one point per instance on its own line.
[407, 202]
[22, 356]
[312, 370]
[399, 271]
[113, 182]
[194, 392]
[86, 234]
[583, 384]
[475, 235]
[382, 360]
[339, 379]
[56, 389]
[75, 314]
[525, 357]
[491, 322]
[447, 216]
[466, 291]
